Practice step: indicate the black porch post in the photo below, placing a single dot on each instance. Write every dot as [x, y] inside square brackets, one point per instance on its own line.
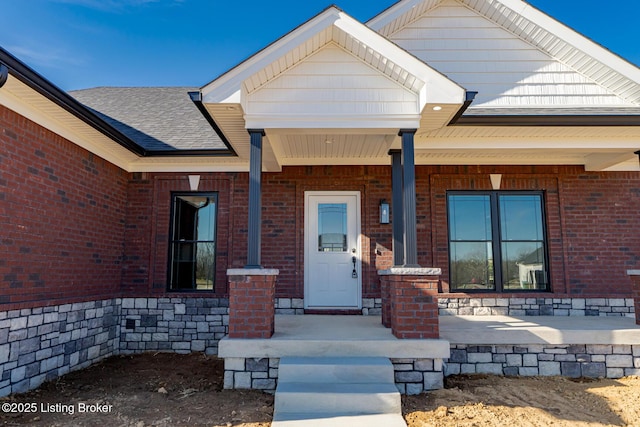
[255, 203]
[396, 204]
[409, 198]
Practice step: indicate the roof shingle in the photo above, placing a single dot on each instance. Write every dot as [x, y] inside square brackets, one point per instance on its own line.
[157, 118]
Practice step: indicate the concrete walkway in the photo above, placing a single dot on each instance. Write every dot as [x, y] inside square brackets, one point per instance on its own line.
[364, 336]
[332, 336]
[513, 330]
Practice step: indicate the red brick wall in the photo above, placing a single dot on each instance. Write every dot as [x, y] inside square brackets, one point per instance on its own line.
[524, 179]
[283, 209]
[148, 225]
[583, 212]
[74, 227]
[592, 220]
[146, 254]
[600, 213]
[62, 215]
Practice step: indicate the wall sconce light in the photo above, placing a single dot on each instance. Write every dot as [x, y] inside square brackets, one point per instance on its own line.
[194, 182]
[637, 153]
[384, 212]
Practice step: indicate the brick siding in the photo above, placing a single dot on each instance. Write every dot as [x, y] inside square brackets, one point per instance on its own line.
[76, 228]
[62, 218]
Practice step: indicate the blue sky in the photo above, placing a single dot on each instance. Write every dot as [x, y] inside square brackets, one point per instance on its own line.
[85, 43]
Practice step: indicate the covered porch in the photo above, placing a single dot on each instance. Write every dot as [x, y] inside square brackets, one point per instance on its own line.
[332, 92]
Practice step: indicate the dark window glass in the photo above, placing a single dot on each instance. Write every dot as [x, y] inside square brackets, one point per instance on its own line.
[471, 248]
[193, 242]
[332, 227]
[497, 241]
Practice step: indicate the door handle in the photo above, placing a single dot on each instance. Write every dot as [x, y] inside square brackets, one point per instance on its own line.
[354, 273]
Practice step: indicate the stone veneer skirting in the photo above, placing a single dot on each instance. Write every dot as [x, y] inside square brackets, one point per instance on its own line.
[522, 306]
[412, 376]
[370, 306]
[181, 325]
[43, 343]
[594, 361]
[536, 306]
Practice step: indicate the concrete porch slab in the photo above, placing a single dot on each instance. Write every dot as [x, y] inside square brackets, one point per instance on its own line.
[332, 336]
[512, 330]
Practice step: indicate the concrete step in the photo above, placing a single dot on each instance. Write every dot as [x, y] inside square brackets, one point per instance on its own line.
[338, 420]
[339, 398]
[335, 370]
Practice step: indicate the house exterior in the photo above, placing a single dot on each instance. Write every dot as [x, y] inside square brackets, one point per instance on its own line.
[478, 147]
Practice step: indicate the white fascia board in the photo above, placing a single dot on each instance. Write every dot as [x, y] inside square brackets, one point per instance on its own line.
[391, 14]
[437, 89]
[602, 161]
[226, 88]
[185, 164]
[628, 166]
[574, 38]
[100, 145]
[335, 161]
[527, 143]
[315, 121]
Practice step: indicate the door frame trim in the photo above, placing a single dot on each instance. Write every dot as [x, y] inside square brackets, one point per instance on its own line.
[307, 219]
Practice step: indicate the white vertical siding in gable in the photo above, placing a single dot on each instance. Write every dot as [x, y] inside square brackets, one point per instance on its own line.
[505, 70]
[332, 81]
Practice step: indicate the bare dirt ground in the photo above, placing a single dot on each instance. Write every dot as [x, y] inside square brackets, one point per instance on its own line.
[186, 390]
[483, 400]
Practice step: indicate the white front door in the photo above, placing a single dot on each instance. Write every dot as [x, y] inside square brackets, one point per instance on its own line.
[332, 250]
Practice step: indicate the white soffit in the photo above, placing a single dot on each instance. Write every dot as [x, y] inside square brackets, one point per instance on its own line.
[25, 101]
[538, 29]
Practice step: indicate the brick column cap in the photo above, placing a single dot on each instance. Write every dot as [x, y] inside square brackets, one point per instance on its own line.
[410, 271]
[253, 272]
[633, 272]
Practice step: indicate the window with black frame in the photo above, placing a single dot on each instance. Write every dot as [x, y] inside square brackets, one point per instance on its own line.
[497, 241]
[192, 262]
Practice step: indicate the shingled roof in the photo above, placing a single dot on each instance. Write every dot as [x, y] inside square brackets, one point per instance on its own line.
[156, 118]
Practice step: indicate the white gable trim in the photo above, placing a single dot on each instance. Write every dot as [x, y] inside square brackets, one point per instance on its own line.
[226, 88]
[400, 14]
[539, 29]
[437, 88]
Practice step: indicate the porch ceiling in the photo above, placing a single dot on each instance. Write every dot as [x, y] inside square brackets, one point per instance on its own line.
[331, 148]
[297, 149]
[597, 148]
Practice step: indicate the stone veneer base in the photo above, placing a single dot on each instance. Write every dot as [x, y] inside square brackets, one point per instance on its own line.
[412, 376]
[594, 361]
[415, 376]
[43, 343]
[524, 306]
